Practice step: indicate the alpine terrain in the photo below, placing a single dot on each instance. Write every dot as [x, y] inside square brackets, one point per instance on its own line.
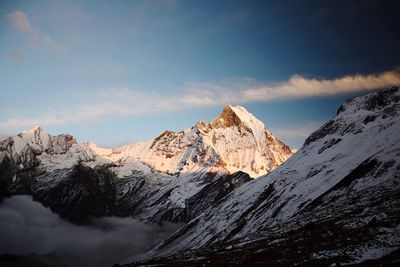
[173, 177]
[242, 196]
[335, 202]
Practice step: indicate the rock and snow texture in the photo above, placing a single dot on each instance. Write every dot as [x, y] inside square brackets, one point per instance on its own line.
[154, 180]
[25, 148]
[344, 179]
[234, 141]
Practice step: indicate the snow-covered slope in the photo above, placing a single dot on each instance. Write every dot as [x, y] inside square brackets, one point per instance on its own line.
[154, 180]
[344, 180]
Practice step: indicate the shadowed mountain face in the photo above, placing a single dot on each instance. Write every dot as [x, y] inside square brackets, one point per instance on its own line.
[81, 192]
[173, 177]
[335, 201]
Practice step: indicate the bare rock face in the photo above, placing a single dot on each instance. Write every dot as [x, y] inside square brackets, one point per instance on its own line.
[60, 144]
[227, 118]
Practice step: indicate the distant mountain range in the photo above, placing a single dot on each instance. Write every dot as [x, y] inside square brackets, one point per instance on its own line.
[172, 177]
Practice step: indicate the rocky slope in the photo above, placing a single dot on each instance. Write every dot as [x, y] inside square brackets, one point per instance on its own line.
[336, 201]
[163, 179]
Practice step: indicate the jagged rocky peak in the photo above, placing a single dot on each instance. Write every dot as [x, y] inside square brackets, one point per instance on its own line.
[238, 116]
[201, 125]
[35, 130]
[38, 141]
[244, 143]
[227, 118]
[36, 135]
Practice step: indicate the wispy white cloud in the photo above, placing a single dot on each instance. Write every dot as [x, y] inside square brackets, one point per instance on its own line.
[17, 56]
[130, 102]
[296, 87]
[35, 37]
[20, 21]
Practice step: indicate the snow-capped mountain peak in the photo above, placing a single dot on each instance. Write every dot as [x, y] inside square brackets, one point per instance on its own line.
[236, 116]
[245, 143]
[25, 148]
[233, 141]
[37, 128]
[35, 137]
[41, 141]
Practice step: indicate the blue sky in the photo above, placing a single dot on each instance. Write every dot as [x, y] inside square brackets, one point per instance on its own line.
[115, 72]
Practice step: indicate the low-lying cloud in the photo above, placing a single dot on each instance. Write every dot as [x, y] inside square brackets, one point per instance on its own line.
[28, 227]
[126, 102]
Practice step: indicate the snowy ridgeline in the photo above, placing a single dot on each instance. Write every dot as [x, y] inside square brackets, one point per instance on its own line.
[234, 141]
[156, 180]
[344, 178]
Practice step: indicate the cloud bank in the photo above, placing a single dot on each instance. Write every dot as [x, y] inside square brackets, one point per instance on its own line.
[27, 227]
[126, 102]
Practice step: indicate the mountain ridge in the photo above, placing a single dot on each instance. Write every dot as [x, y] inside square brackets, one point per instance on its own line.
[154, 180]
[342, 183]
[202, 137]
